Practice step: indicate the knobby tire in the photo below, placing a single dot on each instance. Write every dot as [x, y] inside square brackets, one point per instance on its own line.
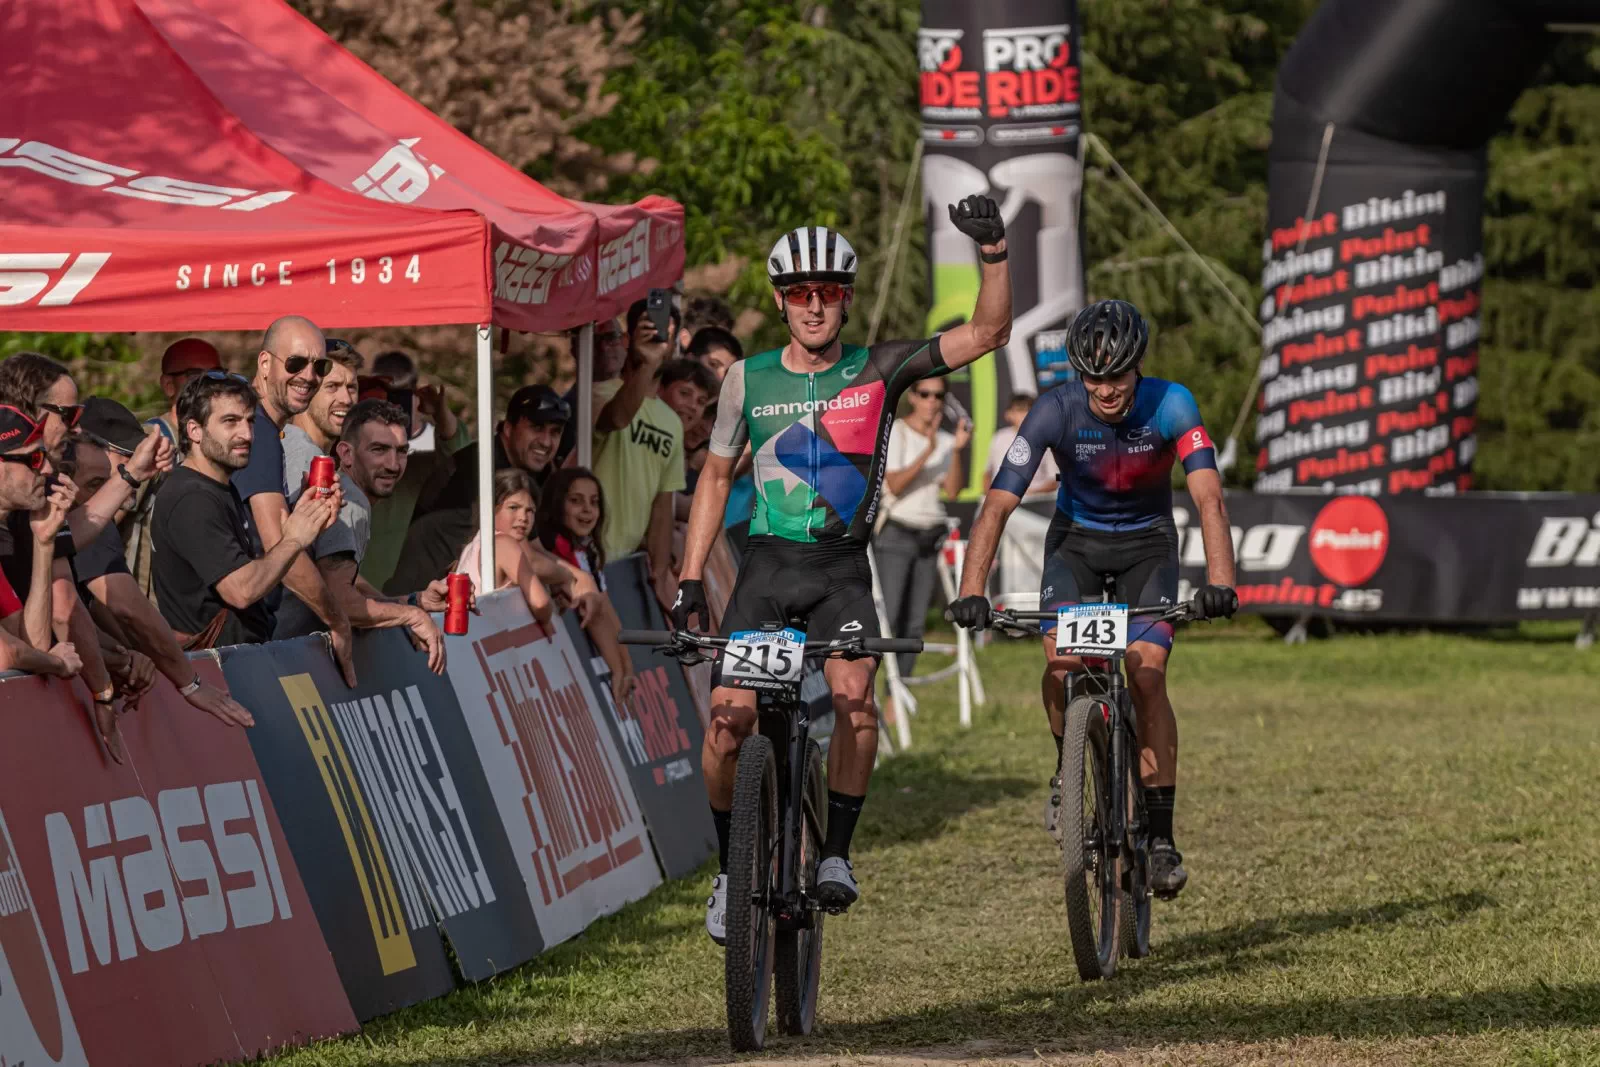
[752, 840]
[799, 952]
[1085, 748]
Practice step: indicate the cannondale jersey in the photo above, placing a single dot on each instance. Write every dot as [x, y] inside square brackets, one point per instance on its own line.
[819, 440]
[1114, 476]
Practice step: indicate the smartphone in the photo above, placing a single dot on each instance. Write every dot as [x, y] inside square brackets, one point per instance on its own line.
[658, 305]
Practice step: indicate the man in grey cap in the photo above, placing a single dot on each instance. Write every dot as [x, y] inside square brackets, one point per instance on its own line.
[107, 435]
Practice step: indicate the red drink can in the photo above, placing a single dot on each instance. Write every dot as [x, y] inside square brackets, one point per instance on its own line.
[322, 473]
[458, 594]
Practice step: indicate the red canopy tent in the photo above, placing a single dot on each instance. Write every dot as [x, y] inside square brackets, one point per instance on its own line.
[162, 168]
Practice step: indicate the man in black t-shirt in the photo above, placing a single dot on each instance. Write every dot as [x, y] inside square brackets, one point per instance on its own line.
[108, 434]
[208, 578]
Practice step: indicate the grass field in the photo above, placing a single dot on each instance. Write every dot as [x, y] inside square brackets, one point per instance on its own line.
[1392, 845]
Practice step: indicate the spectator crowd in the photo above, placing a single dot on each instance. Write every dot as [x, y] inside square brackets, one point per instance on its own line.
[126, 544]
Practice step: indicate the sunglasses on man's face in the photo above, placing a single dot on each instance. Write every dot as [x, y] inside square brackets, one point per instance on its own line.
[70, 413]
[34, 460]
[800, 296]
[319, 367]
[925, 395]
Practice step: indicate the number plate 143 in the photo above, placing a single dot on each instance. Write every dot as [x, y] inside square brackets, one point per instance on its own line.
[1092, 629]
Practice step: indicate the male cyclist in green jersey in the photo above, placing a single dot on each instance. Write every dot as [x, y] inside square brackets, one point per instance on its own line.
[816, 414]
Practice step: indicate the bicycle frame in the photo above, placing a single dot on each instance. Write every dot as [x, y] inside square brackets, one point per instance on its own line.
[786, 720]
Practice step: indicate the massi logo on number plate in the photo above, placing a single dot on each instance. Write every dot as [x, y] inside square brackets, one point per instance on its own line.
[36, 1025]
[58, 163]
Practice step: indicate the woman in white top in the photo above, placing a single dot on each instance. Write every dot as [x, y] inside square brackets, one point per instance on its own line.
[923, 460]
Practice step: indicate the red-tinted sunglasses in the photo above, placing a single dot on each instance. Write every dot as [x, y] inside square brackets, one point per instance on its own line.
[33, 460]
[70, 414]
[829, 292]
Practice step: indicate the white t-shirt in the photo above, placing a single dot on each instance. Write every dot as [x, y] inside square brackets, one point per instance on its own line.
[919, 506]
[1044, 478]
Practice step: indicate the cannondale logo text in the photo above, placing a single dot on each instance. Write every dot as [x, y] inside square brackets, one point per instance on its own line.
[806, 407]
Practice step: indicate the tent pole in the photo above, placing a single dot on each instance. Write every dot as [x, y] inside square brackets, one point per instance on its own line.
[585, 413]
[485, 460]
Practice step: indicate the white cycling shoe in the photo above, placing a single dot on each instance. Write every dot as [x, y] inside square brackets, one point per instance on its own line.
[717, 910]
[836, 884]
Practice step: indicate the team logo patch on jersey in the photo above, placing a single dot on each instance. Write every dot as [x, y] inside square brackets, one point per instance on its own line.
[1019, 452]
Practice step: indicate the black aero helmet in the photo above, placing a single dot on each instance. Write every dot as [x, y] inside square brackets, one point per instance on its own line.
[1107, 338]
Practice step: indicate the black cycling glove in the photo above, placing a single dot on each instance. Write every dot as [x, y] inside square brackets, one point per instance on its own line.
[1216, 602]
[971, 612]
[691, 600]
[979, 218]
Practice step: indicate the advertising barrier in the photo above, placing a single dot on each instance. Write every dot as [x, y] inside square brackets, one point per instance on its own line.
[149, 912]
[559, 785]
[1477, 558]
[401, 837]
[659, 734]
[1001, 115]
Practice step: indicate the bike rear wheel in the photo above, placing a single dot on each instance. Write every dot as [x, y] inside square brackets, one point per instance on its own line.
[1091, 861]
[752, 877]
[799, 955]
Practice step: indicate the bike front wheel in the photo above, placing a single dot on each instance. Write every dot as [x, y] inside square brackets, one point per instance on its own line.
[1091, 860]
[799, 957]
[752, 876]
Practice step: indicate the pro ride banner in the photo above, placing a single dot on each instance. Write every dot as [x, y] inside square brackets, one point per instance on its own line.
[1001, 115]
[658, 734]
[150, 912]
[1480, 558]
[559, 785]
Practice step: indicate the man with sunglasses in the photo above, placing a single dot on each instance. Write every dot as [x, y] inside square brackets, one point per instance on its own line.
[292, 362]
[27, 642]
[817, 414]
[1115, 435]
[107, 435]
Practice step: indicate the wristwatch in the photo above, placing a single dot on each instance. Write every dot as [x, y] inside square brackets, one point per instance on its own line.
[191, 688]
[122, 469]
[413, 600]
[107, 696]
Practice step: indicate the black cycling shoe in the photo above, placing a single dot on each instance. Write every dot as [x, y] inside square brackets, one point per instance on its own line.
[1167, 876]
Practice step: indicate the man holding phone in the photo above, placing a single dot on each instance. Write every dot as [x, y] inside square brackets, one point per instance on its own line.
[638, 445]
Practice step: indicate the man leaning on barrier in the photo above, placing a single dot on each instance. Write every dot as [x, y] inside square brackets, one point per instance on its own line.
[108, 434]
[26, 641]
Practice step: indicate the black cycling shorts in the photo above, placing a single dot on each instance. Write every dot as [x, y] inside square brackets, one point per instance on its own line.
[823, 589]
[1144, 564]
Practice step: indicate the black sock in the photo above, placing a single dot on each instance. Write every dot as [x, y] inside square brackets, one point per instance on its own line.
[1158, 803]
[1058, 740]
[843, 811]
[722, 820]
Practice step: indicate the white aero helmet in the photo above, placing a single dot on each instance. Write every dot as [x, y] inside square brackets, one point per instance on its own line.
[811, 254]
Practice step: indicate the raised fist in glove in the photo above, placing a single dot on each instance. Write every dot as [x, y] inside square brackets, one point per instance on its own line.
[971, 612]
[1216, 602]
[691, 600]
[979, 218]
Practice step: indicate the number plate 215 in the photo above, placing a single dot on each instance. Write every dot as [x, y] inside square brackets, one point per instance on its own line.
[765, 655]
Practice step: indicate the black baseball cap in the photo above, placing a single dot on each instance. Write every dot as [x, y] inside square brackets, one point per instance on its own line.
[537, 403]
[17, 430]
[110, 425]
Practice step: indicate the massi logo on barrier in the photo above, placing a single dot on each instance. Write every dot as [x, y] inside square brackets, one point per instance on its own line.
[36, 1025]
[58, 163]
[118, 867]
[400, 176]
[411, 800]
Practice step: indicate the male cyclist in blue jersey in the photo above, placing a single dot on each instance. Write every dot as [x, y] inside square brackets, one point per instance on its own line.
[1115, 435]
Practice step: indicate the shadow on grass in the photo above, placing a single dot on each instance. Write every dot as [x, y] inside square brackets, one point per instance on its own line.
[917, 795]
[1113, 1010]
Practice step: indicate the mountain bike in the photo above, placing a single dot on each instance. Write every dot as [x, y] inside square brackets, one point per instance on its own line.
[1105, 841]
[780, 820]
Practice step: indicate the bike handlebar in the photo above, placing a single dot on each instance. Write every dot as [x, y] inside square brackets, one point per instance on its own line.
[1015, 620]
[689, 639]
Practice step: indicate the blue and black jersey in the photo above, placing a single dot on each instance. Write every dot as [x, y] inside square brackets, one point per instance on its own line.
[1114, 476]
